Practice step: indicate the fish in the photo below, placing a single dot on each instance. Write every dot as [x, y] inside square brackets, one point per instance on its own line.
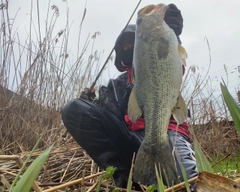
[156, 95]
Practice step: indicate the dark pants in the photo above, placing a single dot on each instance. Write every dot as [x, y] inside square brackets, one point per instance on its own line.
[109, 142]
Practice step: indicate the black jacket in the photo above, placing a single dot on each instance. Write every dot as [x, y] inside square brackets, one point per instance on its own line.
[114, 96]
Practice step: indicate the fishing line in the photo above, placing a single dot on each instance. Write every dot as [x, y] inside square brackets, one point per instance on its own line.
[95, 81]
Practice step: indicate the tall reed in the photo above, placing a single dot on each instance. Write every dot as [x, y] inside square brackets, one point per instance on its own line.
[38, 76]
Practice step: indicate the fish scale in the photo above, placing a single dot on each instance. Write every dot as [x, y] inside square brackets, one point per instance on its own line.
[157, 67]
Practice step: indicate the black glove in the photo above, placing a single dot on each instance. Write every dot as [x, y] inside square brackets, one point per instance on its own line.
[129, 87]
[173, 18]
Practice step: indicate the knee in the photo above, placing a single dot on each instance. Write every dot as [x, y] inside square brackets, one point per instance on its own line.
[76, 113]
[73, 111]
[68, 109]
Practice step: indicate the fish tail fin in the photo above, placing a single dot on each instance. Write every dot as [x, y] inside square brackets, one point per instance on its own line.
[146, 159]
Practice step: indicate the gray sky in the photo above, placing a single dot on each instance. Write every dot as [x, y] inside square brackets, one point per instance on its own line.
[216, 20]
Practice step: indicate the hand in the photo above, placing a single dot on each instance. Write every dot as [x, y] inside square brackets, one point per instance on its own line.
[173, 18]
[83, 95]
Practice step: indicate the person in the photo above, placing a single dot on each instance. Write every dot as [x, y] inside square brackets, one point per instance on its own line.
[106, 133]
[88, 94]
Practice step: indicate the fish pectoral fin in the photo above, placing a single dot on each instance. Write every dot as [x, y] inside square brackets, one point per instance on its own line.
[183, 54]
[134, 111]
[133, 75]
[179, 112]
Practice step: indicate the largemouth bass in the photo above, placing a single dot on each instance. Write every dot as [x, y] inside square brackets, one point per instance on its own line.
[157, 70]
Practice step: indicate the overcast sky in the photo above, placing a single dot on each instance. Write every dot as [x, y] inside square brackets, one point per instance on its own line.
[216, 20]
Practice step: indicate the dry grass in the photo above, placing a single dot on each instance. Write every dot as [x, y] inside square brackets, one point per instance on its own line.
[44, 77]
[67, 162]
[210, 119]
[218, 139]
[22, 122]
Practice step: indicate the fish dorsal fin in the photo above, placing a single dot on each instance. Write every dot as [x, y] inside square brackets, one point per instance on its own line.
[134, 111]
[179, 112]
[183, 54]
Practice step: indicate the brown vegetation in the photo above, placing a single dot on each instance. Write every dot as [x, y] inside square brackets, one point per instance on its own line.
[218, 138]
[37, 78]
[22, 122]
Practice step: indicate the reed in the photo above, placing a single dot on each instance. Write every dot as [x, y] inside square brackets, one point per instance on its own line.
[37, 77]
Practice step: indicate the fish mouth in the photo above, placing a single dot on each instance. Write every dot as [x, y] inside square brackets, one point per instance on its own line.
[151, 9]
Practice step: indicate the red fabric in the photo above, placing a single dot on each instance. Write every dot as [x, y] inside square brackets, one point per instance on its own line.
[129, 70]
[132, 125]
[182, 128]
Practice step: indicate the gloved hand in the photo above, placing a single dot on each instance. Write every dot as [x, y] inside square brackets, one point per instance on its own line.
[173, 18]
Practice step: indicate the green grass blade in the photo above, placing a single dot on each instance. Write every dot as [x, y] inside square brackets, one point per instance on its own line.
[184, 174]
[129, 183]
[99, 184]
[151, 188]
[202, 162]
[26, 181]
[24, 164]
[161, 186]
[232, 106]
